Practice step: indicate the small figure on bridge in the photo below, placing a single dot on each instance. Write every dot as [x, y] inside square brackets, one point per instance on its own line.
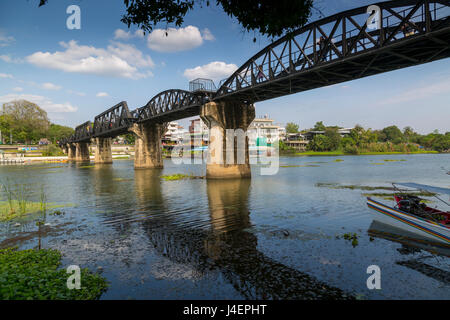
[322, 47]
[408, 30]
[260, 75]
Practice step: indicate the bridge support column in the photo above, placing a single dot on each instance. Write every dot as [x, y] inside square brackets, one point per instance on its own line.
[103, 153]
[82, 152]
[71, 152]
[228, 155]
[147, 147]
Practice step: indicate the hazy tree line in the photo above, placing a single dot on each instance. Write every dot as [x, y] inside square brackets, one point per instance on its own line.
[25, 122]
[360, 140]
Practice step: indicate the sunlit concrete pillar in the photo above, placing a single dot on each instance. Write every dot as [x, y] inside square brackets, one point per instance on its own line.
[228, 155]
[82, 152]
[103, 153]
[71, 151]
[147, 148]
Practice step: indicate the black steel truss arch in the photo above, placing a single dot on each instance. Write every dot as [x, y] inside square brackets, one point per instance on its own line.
[171, 105]
[83, 133]
[113, 122]
[345, 47]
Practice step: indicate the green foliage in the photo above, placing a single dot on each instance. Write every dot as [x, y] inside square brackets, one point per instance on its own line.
[392, 134]
[57, 132]
[179, 176]
[334, 138]
[320, 142]
[130, 138]
[34, 275]
[319, 126]
[27, 121]
[292, 127]
[388, 140]
[52, 150]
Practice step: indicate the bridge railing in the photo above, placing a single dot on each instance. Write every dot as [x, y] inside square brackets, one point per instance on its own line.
[323, 42]
[114, 121]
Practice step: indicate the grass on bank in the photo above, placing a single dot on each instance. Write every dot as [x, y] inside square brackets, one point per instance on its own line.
[15, 209]
[35, 275]
[15, 202]
[341, 153]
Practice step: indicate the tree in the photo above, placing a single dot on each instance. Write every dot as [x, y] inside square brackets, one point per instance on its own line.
[28, 121]
[292, 127]
[393, 134]
[319, 126]
[320, 142]
[271, 18]
[334, 138]
[57, 132]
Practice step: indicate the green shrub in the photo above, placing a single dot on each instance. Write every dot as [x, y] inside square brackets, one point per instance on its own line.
[34, 275]
[52, 150]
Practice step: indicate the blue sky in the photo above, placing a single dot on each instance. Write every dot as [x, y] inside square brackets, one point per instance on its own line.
[76, 74]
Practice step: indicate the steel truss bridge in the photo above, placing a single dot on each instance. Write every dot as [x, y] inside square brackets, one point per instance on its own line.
[343, 47]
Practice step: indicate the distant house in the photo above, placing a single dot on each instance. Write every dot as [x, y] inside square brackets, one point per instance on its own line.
[311, 134]
[174, 133]
[296, 141]
[44, 142]
[263, 132]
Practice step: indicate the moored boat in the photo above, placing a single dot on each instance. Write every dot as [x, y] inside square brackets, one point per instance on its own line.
[411, 214]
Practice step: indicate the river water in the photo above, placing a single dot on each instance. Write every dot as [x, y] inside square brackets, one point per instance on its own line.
[271, 237]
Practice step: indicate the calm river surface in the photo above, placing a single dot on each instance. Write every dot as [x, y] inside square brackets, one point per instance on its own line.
[274, 237]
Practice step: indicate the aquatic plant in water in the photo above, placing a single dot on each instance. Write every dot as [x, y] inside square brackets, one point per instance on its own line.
[35, 275]
[180, 176]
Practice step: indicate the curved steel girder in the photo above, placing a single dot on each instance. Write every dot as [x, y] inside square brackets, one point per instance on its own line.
[281, 67]
[113, 122]
[83, 133]
[170, 104]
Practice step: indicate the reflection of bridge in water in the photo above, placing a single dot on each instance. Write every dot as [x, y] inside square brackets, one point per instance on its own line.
[339, 48]
[218, 243]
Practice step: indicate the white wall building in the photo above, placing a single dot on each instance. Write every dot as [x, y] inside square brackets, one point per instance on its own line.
[263, 131]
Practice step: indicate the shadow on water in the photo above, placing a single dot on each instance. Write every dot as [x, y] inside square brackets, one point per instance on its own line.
[226, 246]
[413, 244]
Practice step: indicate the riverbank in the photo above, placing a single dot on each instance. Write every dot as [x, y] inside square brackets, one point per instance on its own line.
[341, 153]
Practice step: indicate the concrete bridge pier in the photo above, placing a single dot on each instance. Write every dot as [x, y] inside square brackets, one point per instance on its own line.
[82, 152]
[71, 151]
[103, 153]
[147, 148]
[228, 155]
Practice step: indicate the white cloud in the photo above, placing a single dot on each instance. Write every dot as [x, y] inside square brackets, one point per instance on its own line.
[216, 70]
[18, 89]
[6, 75]
[81, 94]
[117, 60]
[207, 35]
[50, 86]
[120, 34]
[8, 59]
[173, 40]
[5, 40]
[139, 33]
[45, 103]
[102, 94]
